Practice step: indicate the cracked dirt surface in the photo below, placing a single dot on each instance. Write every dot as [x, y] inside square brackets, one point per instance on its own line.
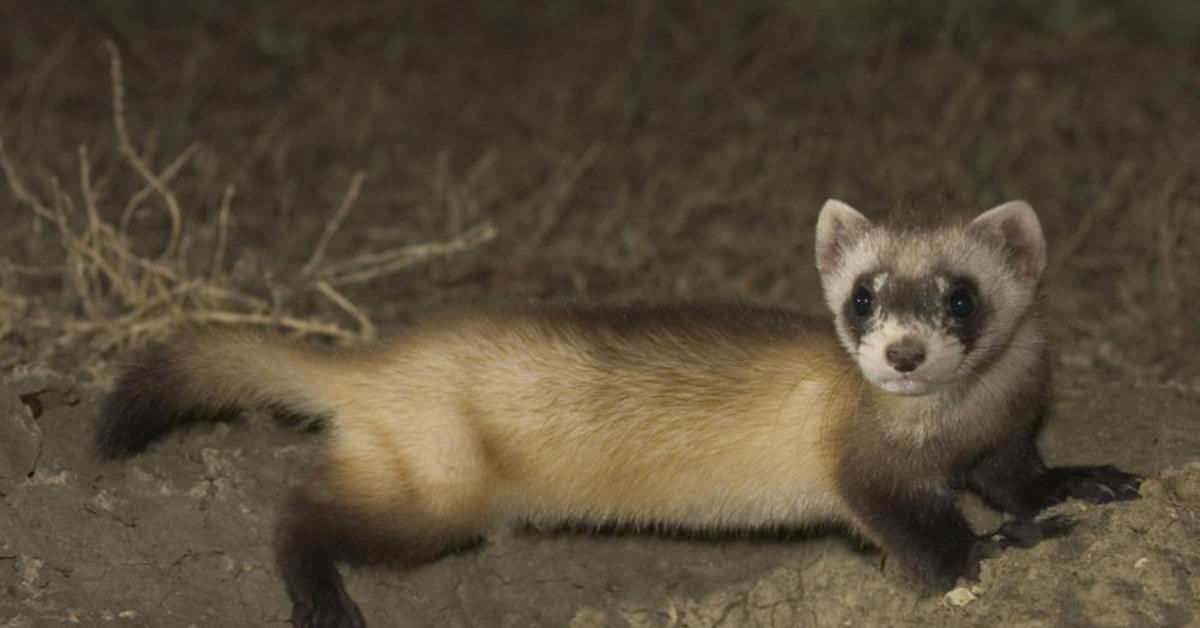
[181, 536]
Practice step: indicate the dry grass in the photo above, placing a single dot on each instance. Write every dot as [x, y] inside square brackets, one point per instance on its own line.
[649, 150]
[121, 298]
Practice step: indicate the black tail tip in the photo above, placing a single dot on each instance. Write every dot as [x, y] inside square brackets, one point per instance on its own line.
[150, 399]
[130, 421]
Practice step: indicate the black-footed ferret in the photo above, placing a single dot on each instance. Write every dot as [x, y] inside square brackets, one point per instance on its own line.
[930, 379]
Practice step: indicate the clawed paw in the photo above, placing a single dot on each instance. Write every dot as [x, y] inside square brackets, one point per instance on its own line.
[1022, 533]
[329, 618]
[1026, 533]
[327, 608]
[1099, 485]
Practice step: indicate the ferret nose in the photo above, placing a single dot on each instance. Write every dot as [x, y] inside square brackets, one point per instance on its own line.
[905, 356]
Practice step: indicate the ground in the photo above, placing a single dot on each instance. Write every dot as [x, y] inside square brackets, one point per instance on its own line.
[337, 171]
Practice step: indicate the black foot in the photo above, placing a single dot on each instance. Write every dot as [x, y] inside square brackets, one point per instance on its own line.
[326, 608]
[306, 550]
[318, 594]
[1098, 485]
[1025, 533]
[1020, 533]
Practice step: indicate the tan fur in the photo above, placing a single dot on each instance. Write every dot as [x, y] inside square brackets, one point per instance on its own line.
[548, 416]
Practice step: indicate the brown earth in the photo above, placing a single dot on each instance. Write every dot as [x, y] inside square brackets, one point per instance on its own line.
[647, 150]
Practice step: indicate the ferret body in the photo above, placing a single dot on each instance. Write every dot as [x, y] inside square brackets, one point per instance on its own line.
[930, 379]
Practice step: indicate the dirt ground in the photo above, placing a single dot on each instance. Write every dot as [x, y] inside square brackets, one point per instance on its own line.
[586, 151]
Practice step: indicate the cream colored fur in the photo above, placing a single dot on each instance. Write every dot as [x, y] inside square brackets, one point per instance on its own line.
[545, 416]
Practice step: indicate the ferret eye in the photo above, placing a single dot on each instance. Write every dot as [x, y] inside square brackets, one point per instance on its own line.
[863, 300]
[961, 303]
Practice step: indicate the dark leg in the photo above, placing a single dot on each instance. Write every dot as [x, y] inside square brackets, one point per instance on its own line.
[1013, 478]
[924, 532]
[306, 551]
[927, 534]
[315, 535]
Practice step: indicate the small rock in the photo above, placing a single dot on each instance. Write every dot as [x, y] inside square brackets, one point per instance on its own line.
[1186, 486]
[1151, 487]
[103, 500]
[960, 596]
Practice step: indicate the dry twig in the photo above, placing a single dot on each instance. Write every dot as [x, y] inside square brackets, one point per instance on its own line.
[369, 266]
[1106, 202]
[331, 227]
[126, 298]
[135, 161]
[222, 231]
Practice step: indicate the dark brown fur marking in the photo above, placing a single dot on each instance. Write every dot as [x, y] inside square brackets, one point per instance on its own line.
[151, 398]
[317, 531]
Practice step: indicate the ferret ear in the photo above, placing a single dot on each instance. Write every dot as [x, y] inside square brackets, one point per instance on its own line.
[1016, 225]
[838, 228]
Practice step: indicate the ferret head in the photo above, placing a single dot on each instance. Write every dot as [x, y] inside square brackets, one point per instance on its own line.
[922, 308]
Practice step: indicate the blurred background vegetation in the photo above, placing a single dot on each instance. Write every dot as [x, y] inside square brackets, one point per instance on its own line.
[569, 149]
[968, 22]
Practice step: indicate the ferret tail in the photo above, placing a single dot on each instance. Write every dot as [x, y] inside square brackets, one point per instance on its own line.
[210, 374]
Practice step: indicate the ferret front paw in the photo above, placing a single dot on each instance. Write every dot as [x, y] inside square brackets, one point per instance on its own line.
[1022, 533]
[1025, 533]
[1099, 485]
